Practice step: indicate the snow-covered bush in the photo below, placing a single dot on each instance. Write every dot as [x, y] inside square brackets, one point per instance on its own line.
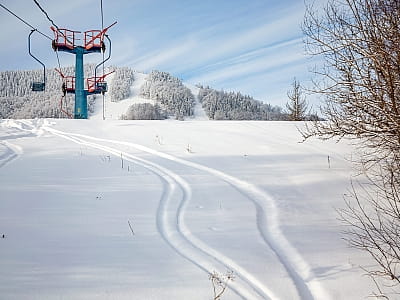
[144, 111]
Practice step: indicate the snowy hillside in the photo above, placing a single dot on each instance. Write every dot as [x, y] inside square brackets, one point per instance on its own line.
[114, 110]
[147, 209]
[131, 95]
[125, 88]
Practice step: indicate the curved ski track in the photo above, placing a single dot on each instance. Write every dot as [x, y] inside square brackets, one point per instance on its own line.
[174, 231]
[178, 236]
[12, 152]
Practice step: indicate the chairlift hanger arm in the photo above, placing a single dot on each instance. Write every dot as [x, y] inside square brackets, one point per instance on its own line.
[30, 53]
[97, 85]
[102, 63]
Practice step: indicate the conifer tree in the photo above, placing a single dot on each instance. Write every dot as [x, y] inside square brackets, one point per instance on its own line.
[297, 105]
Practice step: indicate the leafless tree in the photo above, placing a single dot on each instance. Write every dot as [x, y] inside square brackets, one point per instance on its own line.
[372, 216]
[359, 41]
[297, 105]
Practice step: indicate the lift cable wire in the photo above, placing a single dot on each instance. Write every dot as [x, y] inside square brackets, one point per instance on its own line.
[51, 21]
[32, 27]
[45, 13]
[58, 60]
[102, 15]
[102, 24]
[102, 27]
[58, 30]
[46, 36]
[25, 22]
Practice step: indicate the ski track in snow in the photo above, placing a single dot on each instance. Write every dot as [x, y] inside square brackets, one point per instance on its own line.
[11, 153]
[174, 231]
[177, 235]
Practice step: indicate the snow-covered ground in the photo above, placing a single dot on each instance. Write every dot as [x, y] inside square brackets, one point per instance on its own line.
[94, 209]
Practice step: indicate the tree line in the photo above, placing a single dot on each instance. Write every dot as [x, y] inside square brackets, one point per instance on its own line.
[18, 101]
[221, 105]
[170, 97]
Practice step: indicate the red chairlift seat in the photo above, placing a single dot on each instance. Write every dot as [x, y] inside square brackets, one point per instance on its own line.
[94, 39]
[69, 84]
[91, 84]
[64, 39]
[97, 85]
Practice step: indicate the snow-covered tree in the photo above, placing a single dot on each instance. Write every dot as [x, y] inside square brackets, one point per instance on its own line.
[169, 92]
[121, 83]
[17, 100]
[220, 105]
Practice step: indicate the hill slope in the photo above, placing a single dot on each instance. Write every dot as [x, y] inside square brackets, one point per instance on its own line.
[131, 95]
[146, 209]
[117, 109]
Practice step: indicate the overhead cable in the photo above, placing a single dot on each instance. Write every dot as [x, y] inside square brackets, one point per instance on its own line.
[46, 14]
[51, 21]
[25, 22]
[102, 14]
[102, 27]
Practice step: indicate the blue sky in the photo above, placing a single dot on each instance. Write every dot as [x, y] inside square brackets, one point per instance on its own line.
[251, 46]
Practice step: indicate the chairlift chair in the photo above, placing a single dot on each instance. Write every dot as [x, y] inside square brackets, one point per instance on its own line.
[37, 86]
[97, 85]
[100, 84]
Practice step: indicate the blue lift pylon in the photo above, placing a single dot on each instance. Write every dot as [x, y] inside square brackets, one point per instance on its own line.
[65, 40]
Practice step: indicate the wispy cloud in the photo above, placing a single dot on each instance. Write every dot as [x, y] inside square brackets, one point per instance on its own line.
[209, 46]
[255, 61]
[157, 58]
[246, 45]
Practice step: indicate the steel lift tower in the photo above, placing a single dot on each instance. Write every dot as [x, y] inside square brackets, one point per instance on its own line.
[93, 42]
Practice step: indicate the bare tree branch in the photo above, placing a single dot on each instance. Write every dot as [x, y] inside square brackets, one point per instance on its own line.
[359, 41]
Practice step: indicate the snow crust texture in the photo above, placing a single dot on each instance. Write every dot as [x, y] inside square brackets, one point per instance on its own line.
[147, 209]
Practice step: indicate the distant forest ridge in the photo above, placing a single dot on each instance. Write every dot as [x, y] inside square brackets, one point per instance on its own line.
[169, 97]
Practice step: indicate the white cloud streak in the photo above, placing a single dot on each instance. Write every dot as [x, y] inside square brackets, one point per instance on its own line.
[241, 51]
